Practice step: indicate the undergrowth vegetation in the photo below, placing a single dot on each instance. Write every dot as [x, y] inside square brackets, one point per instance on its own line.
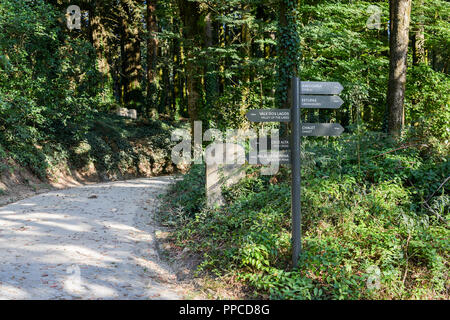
[375, 223]
[109, 146]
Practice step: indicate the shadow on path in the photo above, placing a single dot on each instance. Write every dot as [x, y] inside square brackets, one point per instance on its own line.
[92, 242]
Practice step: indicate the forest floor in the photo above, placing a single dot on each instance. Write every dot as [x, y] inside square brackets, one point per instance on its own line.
[91, 242]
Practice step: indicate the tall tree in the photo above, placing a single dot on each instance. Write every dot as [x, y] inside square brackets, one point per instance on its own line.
[190, 16]
[400, 13]
[246, 41]
[211, 81]
[99, 35]
[288, 47]
[131, 53]
[152, 51]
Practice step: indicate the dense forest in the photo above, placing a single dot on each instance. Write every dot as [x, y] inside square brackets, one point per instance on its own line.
[377, 196]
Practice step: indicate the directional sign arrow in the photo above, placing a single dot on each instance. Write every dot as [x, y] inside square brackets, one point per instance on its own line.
[321, 102]
[269, 115]
[307, 129]
[284, 115]
[321, 129]
[317, 87]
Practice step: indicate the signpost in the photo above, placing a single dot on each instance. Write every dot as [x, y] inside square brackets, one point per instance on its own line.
[317, 87]
[282, 144]
[269, 115]
[284, 115]
[316, 130]
[321, 102]
[296, 206]
[321, 129]
[306, 95]
[264, 158]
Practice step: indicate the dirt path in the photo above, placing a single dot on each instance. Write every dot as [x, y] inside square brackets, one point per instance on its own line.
[91, 242]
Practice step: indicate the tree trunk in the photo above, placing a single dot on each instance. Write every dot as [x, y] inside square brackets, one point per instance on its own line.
[222, 44]
[100, 43]
[400, 11]
[99, 39]
[176, 76]
[131, 59]
[211, 84]
[287, 51]
[123, 62]
[190, 15]
[246, 52]
[152, 53]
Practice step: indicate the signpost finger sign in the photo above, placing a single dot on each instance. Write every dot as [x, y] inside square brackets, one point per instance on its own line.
[306, 95]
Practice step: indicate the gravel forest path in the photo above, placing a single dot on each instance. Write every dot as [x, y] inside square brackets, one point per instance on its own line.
[90, 242]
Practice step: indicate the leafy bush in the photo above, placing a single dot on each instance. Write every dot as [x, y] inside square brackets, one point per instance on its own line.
[360, 214]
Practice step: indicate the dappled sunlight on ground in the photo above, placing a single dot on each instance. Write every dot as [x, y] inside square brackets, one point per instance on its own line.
[93, 242]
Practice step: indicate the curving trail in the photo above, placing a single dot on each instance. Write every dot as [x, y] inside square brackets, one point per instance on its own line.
[91, 242]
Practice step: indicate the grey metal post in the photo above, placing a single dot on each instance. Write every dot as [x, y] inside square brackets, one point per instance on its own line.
[296, 173]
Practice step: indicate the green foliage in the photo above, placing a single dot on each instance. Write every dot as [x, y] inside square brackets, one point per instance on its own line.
[428, 102]
[189, 198]
[288, 48]
[116, 146]
[359, 213]
[367, 201]
[48, 86]
[323, 41]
